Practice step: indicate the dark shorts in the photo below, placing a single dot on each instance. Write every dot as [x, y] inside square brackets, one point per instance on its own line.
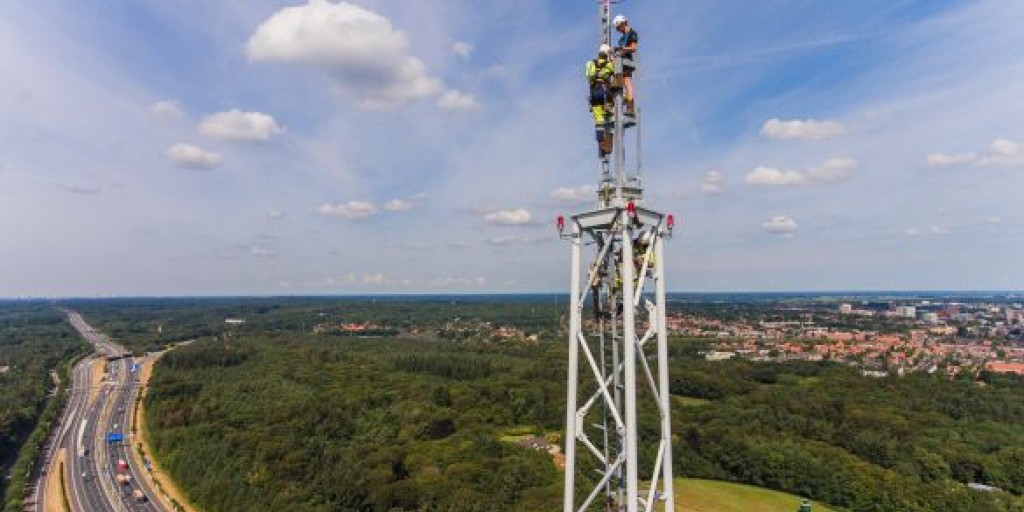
[627, 70]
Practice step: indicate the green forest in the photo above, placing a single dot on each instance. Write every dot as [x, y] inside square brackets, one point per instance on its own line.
[34, 339]
[150, 324]
[284, 419]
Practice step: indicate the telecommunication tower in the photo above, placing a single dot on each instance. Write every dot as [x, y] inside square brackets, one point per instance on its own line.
[621, 344]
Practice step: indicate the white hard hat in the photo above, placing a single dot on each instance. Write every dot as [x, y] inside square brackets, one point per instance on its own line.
[604, 48]
[619, 20]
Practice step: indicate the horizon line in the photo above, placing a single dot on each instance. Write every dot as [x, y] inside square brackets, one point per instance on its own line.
[493, 294]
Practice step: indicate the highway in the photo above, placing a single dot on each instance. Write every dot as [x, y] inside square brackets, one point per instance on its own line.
[91, 462]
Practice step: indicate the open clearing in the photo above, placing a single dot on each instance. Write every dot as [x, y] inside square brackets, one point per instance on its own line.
[715, 496]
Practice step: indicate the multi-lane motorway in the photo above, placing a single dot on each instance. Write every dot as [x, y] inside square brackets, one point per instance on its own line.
[92, 460]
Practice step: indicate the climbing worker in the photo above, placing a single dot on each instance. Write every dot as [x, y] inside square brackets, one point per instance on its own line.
[626, 50]
[599, 74]
[641, 244]
[595, 289]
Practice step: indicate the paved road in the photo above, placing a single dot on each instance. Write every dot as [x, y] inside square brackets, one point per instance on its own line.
[90, 462]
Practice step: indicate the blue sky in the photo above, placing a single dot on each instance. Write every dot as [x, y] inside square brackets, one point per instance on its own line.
[180, 147]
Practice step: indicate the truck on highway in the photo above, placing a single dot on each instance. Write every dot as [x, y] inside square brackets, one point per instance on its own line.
[140, 497]
[122, 465]
[124, 479]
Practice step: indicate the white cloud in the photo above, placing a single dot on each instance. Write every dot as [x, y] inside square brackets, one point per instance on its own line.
[375, 279]
[995, 219]
[808, 129]
[516, 240]
[457, 100]
[275, 215]
[378, 279]
[462, 49]
[188, 156]
[1005, 147]
[830, 171]
[780, 225]
[517, 217]
[236, 125]
[913, 231]
[397, 205]
[166, 108]
[359, 47]
[76, 188]
[416, 246]
[1003, 153]
[714, 183]
[575, 195]
[262, 252]
[770, 176]
[457, 282]
[349, 210]
[942, 159]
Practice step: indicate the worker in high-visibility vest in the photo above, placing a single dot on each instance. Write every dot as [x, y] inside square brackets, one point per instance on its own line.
[641, 245]
[600, 72]
[626, 50]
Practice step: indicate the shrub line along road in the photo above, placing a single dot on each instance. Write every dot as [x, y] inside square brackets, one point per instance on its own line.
[91, 462]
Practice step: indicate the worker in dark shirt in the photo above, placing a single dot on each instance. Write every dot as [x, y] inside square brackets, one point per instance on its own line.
[626, 50]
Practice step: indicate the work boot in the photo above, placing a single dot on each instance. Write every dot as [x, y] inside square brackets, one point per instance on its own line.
[606, 144]
[630, 111]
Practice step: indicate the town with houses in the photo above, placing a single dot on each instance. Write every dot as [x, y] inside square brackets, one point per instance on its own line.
[881, 338]
[899, 338]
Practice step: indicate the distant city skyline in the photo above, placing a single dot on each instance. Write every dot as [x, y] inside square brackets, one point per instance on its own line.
[211, 148]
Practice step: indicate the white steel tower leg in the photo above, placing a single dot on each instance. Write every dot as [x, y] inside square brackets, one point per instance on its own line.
[629, 363]
[570, 402]
[663, 383]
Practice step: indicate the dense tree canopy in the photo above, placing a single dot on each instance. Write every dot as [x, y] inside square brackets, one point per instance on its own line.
[270, 417]
[34, 339]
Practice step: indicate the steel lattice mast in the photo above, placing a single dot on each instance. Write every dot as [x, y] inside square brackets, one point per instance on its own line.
[620, 338]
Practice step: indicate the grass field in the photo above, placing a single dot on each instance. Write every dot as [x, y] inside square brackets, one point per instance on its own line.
[714, 496]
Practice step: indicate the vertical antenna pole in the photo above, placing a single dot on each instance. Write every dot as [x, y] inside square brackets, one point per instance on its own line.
[573, 377]
[629, 363]
[663, 384]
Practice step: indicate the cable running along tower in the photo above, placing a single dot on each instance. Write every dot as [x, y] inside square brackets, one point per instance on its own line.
[620, 343]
